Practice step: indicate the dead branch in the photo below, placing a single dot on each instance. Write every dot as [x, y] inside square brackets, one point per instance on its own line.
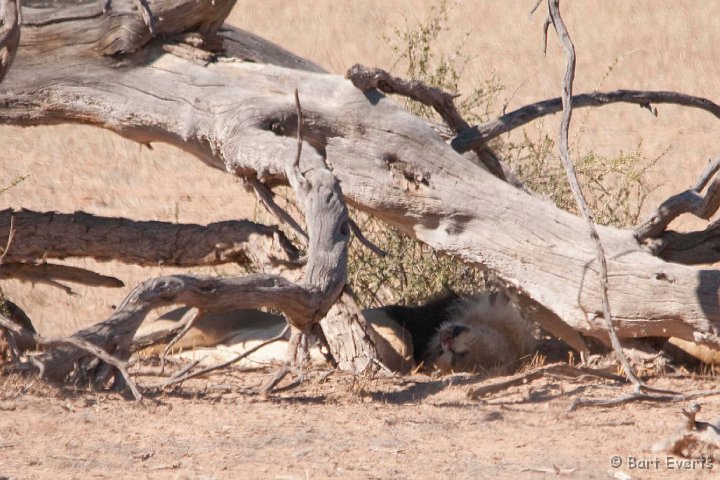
[468, 139]
[363, 239]
[560, 368]
[77, 343]
[124, 33]
[689, 201]
[689, 248]
[265, 196]
[51, 274]
[206, 293]
[303, 304]
[569, 48]
[346, 330]
[638, 395]
[273, 382]
[443, 102]
[9, 34]
[43, 235]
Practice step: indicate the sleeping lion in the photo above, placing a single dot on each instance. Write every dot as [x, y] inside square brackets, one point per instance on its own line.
[445, 334]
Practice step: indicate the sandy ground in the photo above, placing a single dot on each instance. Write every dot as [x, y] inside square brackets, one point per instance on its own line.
[343, 428]
[339, 427]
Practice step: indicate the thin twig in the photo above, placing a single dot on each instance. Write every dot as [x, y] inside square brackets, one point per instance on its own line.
[265, 196]
[298, 110]
[537, 4]
[367, 243]
[569, 48]
[560, 368]
[237, 358]
[9, 240]
[638, 395]
[187, 320]
[294, 173]
[78, 343]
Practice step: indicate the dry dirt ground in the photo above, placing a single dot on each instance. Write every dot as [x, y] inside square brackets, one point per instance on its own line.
[344, 428]
[340, 427]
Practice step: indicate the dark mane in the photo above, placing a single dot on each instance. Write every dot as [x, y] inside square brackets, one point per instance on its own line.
[423, 320]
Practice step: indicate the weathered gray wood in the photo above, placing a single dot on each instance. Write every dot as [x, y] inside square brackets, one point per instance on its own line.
[9, 34]
[346, 331]
[115, 334]
[44, 235]
[690, 201]
[240, 116]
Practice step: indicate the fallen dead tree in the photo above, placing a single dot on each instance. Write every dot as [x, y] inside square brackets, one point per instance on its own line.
[174, 74]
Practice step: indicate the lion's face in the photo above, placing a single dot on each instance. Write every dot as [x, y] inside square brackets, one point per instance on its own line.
[468, 347]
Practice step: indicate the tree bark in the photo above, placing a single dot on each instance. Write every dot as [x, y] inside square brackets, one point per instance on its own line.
[239, 116]
[43, 235]
[9, 33]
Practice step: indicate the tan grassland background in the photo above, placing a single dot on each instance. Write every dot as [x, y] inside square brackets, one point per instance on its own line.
[642, 44]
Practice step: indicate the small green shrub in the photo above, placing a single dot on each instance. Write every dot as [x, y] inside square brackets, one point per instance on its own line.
[615, 187]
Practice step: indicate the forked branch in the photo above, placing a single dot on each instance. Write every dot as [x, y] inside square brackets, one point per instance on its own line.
[365, 78]
[689, 201]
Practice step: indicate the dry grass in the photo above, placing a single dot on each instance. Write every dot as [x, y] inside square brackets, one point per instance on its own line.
[641, 45]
